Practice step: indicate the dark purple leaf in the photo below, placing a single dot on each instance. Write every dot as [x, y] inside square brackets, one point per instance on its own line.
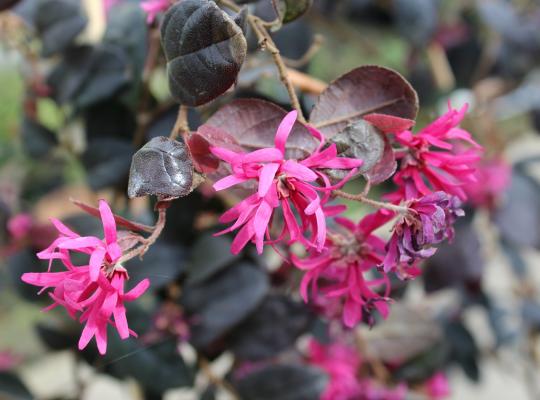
[11, 387]
[386, 166]
[253, 124]
[107, 162]
[58, 22]
[223, 301]
[162, 168]
[37, 139]
[365, 90]
[272, 328]
[205, 50]
[283, 382]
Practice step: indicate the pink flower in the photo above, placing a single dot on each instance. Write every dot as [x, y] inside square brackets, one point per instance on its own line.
[96, 290]
[493, 178]
[154, 7]
[19, 226]
[341, 363]
[8, 360]
[438, 387]
[284, 183]
[349, 254]
[429, 221]
[433, 160]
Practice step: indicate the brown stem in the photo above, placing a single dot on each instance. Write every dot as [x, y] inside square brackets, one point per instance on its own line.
[260, 28]
[150, 240]
[216, 380]
[377, 204]
[181, 125]
[143, 116]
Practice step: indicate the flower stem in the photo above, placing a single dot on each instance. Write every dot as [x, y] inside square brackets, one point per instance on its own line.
[377, 204]
[181, 125]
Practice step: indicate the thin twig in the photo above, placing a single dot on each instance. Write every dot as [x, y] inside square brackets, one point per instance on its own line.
[377, 204]
[181, 125]
[260, 28]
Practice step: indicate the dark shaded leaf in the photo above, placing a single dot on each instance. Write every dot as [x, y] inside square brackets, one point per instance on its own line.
[283, 382]
[109, 119]
[416, 20]
[58, 22]
[205, 50]
[456, 263]
[162, 167]
[289, 10]
[19, 263]
[365, 90]
[12, 388]
[127, 28]
[464, 350]
[69, 75]
[272, 328]
[210, 254]
[42, 178]
[422, 367]
[37, 140]
[156, 368]
[110, 73]
[163, 263]
[359, 140]
[223, 301]
[163, 123]
[386, 166]
[253, 124]
[518, 219]
[56, 339]
[6, 4]
[107, 162]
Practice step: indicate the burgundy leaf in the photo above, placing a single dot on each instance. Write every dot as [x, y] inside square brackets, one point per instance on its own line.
[253, 124]
[389, 123]
[386, 166]
[365, 90]
[162, 167]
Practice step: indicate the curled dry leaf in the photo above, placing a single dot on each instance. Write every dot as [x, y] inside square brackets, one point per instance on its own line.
[162, 168]
[205, 50]
[365, 90]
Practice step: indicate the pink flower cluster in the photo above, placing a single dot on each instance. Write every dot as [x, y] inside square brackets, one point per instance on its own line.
[96, 290]
[351, 252]
[289, 185]
[342, 364]
[441, 157]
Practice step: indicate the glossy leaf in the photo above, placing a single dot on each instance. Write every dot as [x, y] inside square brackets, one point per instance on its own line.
[162, 168]
[210, 255]
[289, 10]
[223, 301]
[58, 22]
[362, 91]
[11, 387]
[107, 162]
[253, 124]
[284, 382]
[37, 140]
[272, 328]
[205, 50]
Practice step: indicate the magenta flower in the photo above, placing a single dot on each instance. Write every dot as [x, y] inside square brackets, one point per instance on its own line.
[493, 178]
[96, 290]
[435, 158]
[348, 256]
[429, 221]
[20, 225]
[438, 387]
[153, 7]
[341, 363]
[282, 183]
